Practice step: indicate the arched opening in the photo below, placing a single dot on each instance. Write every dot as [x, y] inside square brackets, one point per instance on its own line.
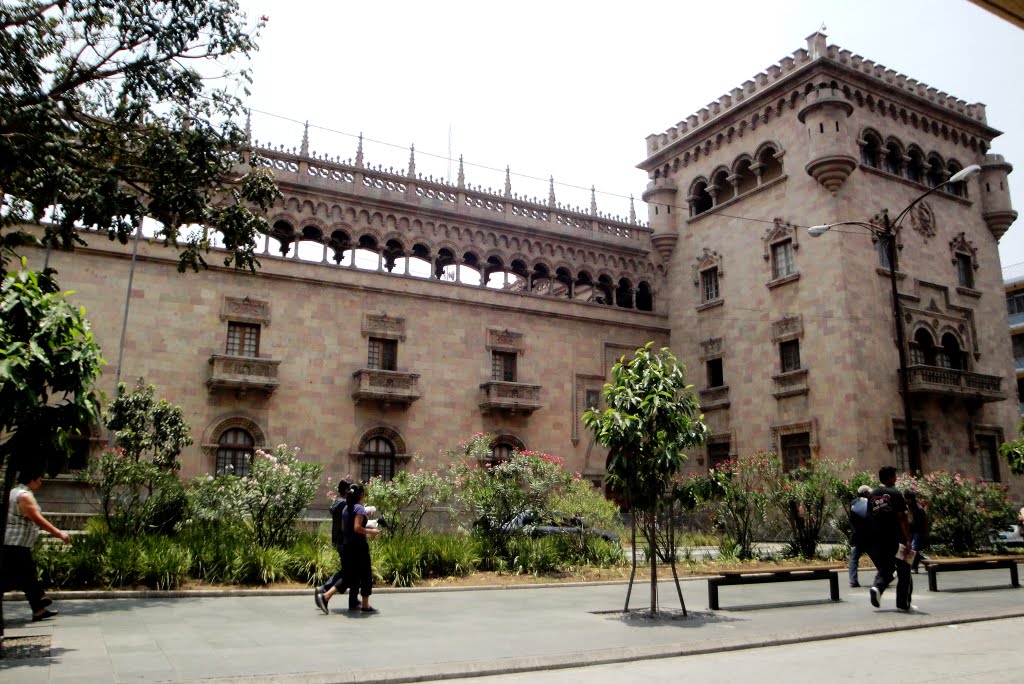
[445, 267]
[624, 294]
[958, 189]
[915, 166]
[723, 188]
[339, 244]
[747, 180]
[771, 165]
[540, 280]
[235, 448]
[699, 199]
[562, 285]
[922, 349]
[934, 174]
[583, 288]
[950, 355]
[644, 297]
[871, 151]
[378, 459]
[893, 161]
[604, 288]
[366, 255]
[283, 235]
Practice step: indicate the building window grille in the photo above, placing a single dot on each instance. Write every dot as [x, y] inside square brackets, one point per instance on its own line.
[383, 354]
[709, 284]
[783, 263]
[378, 460]
[718, 453]
[789, 355]
[716, 377]
[796, 450]
[243, 339]
[234, 452]
[964, 270]
[503, 366]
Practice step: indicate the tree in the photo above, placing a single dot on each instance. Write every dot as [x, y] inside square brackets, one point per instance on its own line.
[651, 418]
[106, 117]
[141, 425]
[48, 364]
[1013, 452]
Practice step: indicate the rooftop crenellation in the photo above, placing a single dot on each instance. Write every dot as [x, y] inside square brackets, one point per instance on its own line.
[801, 58]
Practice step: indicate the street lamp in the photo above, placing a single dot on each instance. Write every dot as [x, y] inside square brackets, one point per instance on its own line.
[887, 234]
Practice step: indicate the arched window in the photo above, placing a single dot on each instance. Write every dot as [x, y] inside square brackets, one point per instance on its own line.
[893, 161]
[234, 452]
[644, 297]
[378, 459]
[915, 166]
[934, 174]
[699, 199]
[871, 151]
[770, 164]
[955, 189]
[949, 355]
[501, 449]
[922, 349]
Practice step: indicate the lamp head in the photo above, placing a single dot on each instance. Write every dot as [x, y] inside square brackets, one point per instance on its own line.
[965, 173]
[817, 231]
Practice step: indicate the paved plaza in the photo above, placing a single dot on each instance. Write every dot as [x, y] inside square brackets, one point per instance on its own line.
[436, 634]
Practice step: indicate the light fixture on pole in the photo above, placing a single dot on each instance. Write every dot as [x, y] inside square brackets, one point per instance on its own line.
[887, 234]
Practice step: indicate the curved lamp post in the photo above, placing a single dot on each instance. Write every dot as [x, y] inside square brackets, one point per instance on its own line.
[887, 233]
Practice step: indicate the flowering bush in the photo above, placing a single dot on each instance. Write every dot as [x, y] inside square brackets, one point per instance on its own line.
[134, 496]
[964, 513]
[404, 500]
[808, 498]
[738, 495]
[267, 501]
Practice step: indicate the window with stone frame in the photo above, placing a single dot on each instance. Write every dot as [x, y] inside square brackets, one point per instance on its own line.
[715, 373]
[503, 366]
[243, 339]
[783, 263]
[882, 248]
[383, 354]
[235, 448]
[794, 449]
[709, 284]
[789, 356]
[988, 455]
[964, 270]
[901, 451]
[1015, 302]
[378, 459]
[718, 453]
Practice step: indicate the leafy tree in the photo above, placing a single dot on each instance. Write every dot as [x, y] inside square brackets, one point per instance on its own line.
[48, 364]
[403, 501]
[652, 417]
[1013, 452]
[807, 497]
[141, 425]
[107, 113]
[738, 494]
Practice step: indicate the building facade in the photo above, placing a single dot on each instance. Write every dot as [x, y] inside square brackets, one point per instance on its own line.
[396, 315]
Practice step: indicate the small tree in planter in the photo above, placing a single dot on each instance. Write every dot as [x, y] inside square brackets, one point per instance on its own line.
[652, 417]
[807, 497]
[403, 501]
[738, 494]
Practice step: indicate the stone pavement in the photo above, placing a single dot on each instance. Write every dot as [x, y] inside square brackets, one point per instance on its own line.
[435, 634]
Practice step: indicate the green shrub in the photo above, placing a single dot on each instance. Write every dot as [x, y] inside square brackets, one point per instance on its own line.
[963, 513]
[311, 559]
[166, 565]
[448, 555]
[602, 553]
[126, 561]
[398, 561]
[403, 501]
[535, 556]
[258, 565]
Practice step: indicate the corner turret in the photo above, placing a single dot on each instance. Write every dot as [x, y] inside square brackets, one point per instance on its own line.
[995, 194]
[660, 196]
[825, 113]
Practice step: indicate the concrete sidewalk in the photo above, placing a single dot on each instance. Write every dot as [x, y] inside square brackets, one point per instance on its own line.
[434, 634]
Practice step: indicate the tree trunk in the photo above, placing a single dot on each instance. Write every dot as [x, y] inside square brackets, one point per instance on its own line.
[653, 553]
[632, 573]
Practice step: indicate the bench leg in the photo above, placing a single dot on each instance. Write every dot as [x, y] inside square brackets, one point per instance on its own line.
[712, 595]
[1014, 582]
[933, 585]
[833, 585]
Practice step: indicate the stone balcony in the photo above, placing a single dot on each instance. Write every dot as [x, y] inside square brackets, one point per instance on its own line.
[385, 387]
[714, 398]
[242, 374]
[510, 397]
[948, 382]
[790, 384]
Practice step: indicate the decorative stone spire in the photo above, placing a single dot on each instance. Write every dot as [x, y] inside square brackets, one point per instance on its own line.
[248, 126]
[304, 148]
[359, 153]
[508, 182]
[551, 192]
[632, 211]
[593, 201]
[462, 174]
[412, 161]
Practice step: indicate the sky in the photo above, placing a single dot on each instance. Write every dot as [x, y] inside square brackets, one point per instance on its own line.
[571, 89]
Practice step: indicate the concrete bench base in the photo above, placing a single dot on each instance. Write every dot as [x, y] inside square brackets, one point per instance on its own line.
[796, 574]
[982, 563]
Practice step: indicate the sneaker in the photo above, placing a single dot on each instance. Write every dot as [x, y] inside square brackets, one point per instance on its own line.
[854, 585]
[318, 598]
[874, 597]
[42, 616]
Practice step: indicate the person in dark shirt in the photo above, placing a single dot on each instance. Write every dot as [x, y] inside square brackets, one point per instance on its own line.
[358, 567]
[860, 531]
[323, 594]
[887, 511]
[918, 528]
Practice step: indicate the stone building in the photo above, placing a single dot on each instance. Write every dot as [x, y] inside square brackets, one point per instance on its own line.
[396, 314]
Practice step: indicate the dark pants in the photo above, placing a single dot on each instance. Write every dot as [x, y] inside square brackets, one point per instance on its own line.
[886, 563]
[917, 543]
[338, 579]
[358, 571]
[20, 573]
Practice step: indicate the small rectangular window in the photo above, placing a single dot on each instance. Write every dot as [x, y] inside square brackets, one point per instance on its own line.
[796, 449]
[989, 455]
[1015, 303]
[789, 355]
[503, 366]
[716, 377]
[782, 259]
[383, 354]
[901, 451]
[718, 453]
[709, 283]
[243, 339]
[883, 253]
[964, 270]
[593, 399]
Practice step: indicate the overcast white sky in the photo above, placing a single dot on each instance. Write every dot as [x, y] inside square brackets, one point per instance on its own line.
[571, 89]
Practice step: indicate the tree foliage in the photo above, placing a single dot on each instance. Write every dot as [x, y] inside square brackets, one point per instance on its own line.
[108, 111]
[142, 425]
[1013, 452]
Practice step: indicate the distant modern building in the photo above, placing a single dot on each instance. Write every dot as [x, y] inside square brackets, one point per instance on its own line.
[1013, 279]
[396, 314]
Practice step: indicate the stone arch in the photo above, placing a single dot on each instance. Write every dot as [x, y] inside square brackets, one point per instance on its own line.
[870, 142]
[769, 160]
[935, 170]
[892, 156]
[388, 433]
[915, 165]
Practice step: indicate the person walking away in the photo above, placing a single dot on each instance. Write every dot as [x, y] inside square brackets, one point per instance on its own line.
[322, 595]
[860, 531]
[358, 567]
[918, 528]
[887, 511]
[24, 520]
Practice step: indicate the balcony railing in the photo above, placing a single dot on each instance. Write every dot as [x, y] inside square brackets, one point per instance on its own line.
[242, 374]
[385, 387]
[790, 384]
[714, 398]
[511, 397]
[932, 380]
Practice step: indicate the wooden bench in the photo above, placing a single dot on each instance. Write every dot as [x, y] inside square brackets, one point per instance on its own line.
[935, 566]
[764, 575]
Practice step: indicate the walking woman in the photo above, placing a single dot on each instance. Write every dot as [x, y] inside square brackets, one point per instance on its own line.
[357, 566]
